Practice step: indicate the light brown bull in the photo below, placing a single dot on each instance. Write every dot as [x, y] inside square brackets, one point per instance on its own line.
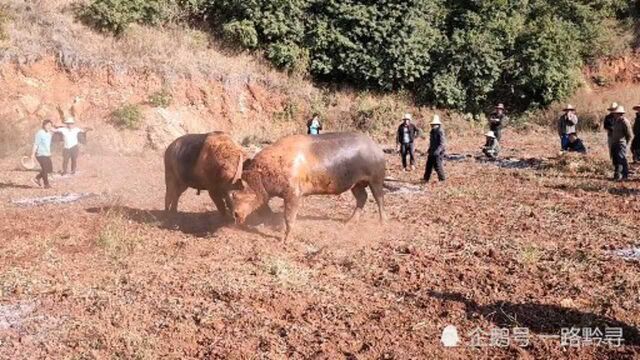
[301, 165]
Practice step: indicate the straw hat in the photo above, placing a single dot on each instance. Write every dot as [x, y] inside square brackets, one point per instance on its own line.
[70, 120]
[490, 134]
[619, 110]
[407, 116]
[436, 120]
[613, 106]
[27, 163]
[569, 107]
[500, 106]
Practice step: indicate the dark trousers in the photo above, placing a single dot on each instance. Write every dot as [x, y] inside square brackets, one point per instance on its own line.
[564, 142]
[46, 167]
[407, 149]
[498, 133]
[434, 162]
[619, 158]
[72, 154]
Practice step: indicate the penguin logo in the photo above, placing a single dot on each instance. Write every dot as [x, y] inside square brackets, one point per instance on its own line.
[450, 336]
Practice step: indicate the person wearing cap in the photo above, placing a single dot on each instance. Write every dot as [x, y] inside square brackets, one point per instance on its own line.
[635, 144]
[435, 157]
[70, 134]
[576, 144]
[567, 125]
[314, 125]
[607, 123]
[621, 135]
[42, 154]
[406, 134]
[491, 147]
[497, 120]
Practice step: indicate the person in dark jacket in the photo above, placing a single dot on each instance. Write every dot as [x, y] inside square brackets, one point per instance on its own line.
[314, 125]
[497, 120]
[607, 123]
[621, 135]
[407, 133]
[567, 125]
[575, 144]
[491, 147]
[435, 158]
[635, 144]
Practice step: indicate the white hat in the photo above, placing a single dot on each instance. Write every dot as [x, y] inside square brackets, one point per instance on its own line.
[69, 120]
[619, 110]
[436, 120]
[569, 107]
[613, 106]
[490, 134]
[407, 116]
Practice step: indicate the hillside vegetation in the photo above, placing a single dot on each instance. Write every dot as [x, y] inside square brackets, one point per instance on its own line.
[458, 54]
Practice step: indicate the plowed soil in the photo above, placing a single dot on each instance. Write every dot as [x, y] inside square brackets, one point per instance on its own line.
[528, 247]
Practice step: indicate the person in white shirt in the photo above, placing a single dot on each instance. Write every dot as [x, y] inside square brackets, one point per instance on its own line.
[70, 138]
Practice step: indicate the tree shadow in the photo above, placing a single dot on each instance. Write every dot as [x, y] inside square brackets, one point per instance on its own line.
[540, 318]
[198, 224]
[12, 185]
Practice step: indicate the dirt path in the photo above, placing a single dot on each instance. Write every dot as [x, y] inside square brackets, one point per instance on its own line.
[493, 247]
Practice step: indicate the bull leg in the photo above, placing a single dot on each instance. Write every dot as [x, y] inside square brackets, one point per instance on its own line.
[360, 192]
[172, 195]
[218, 200]
[291, 205]
[378, 194]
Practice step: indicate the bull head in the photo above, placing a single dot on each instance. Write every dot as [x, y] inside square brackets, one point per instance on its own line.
[249, 198]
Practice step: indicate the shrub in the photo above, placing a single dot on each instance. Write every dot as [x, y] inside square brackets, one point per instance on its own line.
[162, 98]
[127, 117]
[116, 15]
[241, 32]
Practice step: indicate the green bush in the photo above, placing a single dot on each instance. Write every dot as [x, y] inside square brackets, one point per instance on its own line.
[116, 15]
[241, 32]
[161, 98]
[127, 117]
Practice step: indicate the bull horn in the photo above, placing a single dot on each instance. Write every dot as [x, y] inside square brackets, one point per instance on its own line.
[238, 174]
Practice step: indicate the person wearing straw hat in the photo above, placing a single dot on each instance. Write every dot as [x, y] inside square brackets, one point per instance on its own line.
[406, 135]
[491, 147]
[497, 120]
[621, 135]
[42, 154]
[567, 125]
[70, 134]
[635, 144]
[435, 157]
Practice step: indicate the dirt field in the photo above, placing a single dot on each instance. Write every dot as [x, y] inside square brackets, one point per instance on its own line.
[525, 244]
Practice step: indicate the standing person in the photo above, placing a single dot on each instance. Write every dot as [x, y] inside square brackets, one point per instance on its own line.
[497, 120]
[491, 147]
[314, 125]
[436, 150]
[42, 153]
[406, 135]
[567, 125]
[70, 138]
[621, 135]
[607, 123]
[635, 144]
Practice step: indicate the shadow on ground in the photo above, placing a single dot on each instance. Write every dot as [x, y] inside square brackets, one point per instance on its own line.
[198, 224]
[540, 318]
[618, 191]
[11, 185]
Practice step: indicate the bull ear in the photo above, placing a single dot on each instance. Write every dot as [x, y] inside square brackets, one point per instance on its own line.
[238, 173]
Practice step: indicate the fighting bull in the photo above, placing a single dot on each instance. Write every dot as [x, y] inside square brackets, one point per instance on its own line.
[301, 165]
[211, 162]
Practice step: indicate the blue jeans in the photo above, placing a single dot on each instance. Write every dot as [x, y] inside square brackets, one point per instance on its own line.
[564, 142]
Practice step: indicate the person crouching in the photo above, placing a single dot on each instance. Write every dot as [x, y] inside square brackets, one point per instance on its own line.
[575, 144]
[491, 147]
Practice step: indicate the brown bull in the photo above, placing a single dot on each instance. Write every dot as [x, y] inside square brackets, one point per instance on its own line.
[301, 165]
[211, 162]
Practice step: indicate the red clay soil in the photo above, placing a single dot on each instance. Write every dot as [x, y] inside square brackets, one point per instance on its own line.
[492, 247]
